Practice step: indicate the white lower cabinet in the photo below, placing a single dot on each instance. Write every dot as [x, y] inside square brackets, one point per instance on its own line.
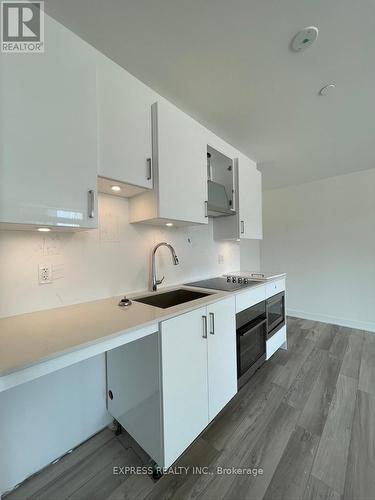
[184, 382]
[199, 372]
[222, 361]
[166, 388]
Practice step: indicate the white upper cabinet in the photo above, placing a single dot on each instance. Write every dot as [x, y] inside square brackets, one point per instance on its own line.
[247, 223]
[180, 170]
[249, 199]
[124, 125]
[48, 134]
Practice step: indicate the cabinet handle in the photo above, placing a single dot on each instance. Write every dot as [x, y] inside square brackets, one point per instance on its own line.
[242, 227]
[91, 204]
[204, 335]
[212, 323]
[149, 169]
[206, 208]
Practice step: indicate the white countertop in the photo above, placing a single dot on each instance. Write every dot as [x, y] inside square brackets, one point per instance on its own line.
[29, 339]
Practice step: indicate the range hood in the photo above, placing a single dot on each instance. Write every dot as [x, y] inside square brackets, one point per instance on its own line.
[218, 204]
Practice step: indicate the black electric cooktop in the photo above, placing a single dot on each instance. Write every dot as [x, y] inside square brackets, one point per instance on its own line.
[222, 284]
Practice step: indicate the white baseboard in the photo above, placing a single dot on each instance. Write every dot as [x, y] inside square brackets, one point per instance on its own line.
[359, 325]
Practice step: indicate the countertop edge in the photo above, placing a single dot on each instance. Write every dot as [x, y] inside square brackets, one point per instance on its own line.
[215, 296]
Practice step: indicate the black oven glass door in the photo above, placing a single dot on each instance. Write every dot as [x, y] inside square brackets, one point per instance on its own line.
[275, 313]
[250, 345]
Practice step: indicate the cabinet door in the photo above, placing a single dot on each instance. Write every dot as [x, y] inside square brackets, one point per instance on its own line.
[48, 144]
[124, 125]
[184, 381]
[250, 199]
[222, 360]
[136, 405]
[180, 152]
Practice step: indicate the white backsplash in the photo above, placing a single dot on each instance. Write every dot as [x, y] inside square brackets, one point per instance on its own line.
[109, 261]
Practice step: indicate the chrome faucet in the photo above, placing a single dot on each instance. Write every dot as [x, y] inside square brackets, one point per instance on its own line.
[155, 281]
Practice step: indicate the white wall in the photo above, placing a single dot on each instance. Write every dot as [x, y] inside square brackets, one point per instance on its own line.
[42, 419]
[323, 235]
[101, 263]
[250, 255]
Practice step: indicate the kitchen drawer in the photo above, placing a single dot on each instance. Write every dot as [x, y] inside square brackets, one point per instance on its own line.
[275, 342]
[274, 288]
[250, 298]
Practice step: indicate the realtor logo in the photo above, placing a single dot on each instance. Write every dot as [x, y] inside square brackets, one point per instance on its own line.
[22, 27]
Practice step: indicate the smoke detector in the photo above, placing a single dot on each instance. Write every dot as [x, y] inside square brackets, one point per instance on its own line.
[304, 38]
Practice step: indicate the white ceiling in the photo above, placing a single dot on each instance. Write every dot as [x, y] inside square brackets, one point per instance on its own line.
[228, 64]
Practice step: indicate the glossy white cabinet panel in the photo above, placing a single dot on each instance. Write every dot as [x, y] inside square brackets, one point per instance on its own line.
[275, 342]
[124, 125]
[275, 287]
[179, 169]
[48, 134]
[250, 297]
[247, 223]
[134, 392]
[184, 381]
[181, 158]
[249, 199]
[222, 359]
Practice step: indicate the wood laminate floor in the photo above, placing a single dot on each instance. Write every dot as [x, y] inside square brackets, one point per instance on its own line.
[306, 418]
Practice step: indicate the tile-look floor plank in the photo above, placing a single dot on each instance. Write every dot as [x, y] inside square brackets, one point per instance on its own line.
[200, 454]
[236, 449]
[286, 374]
[50, 474]
[265, 453]
[252, 406]
[103, 483]
[136, 487]
[331, 457]
[340, 342]
[317, 490]
[325, 335]
[352, 358]
[295, 464]
[360, 473]
[85, 473]
[367, 369]
[315, 411]
[258, 427]
[305, 379]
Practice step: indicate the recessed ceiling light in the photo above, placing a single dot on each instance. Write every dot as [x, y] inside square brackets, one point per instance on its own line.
[44, 229]
[169, 224]
[326, 90]
[115, 188]
[304, 38]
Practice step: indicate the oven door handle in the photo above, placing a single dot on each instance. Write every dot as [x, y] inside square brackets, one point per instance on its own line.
[257, 325]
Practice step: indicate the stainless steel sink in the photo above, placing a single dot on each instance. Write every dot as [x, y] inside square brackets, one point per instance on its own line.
[170, 299]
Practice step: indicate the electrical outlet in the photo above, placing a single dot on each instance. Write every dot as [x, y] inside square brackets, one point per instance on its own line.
[220, 259]
[45, 274]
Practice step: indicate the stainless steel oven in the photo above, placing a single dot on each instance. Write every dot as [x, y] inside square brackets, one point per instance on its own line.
[275, 313]
[251, 331]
